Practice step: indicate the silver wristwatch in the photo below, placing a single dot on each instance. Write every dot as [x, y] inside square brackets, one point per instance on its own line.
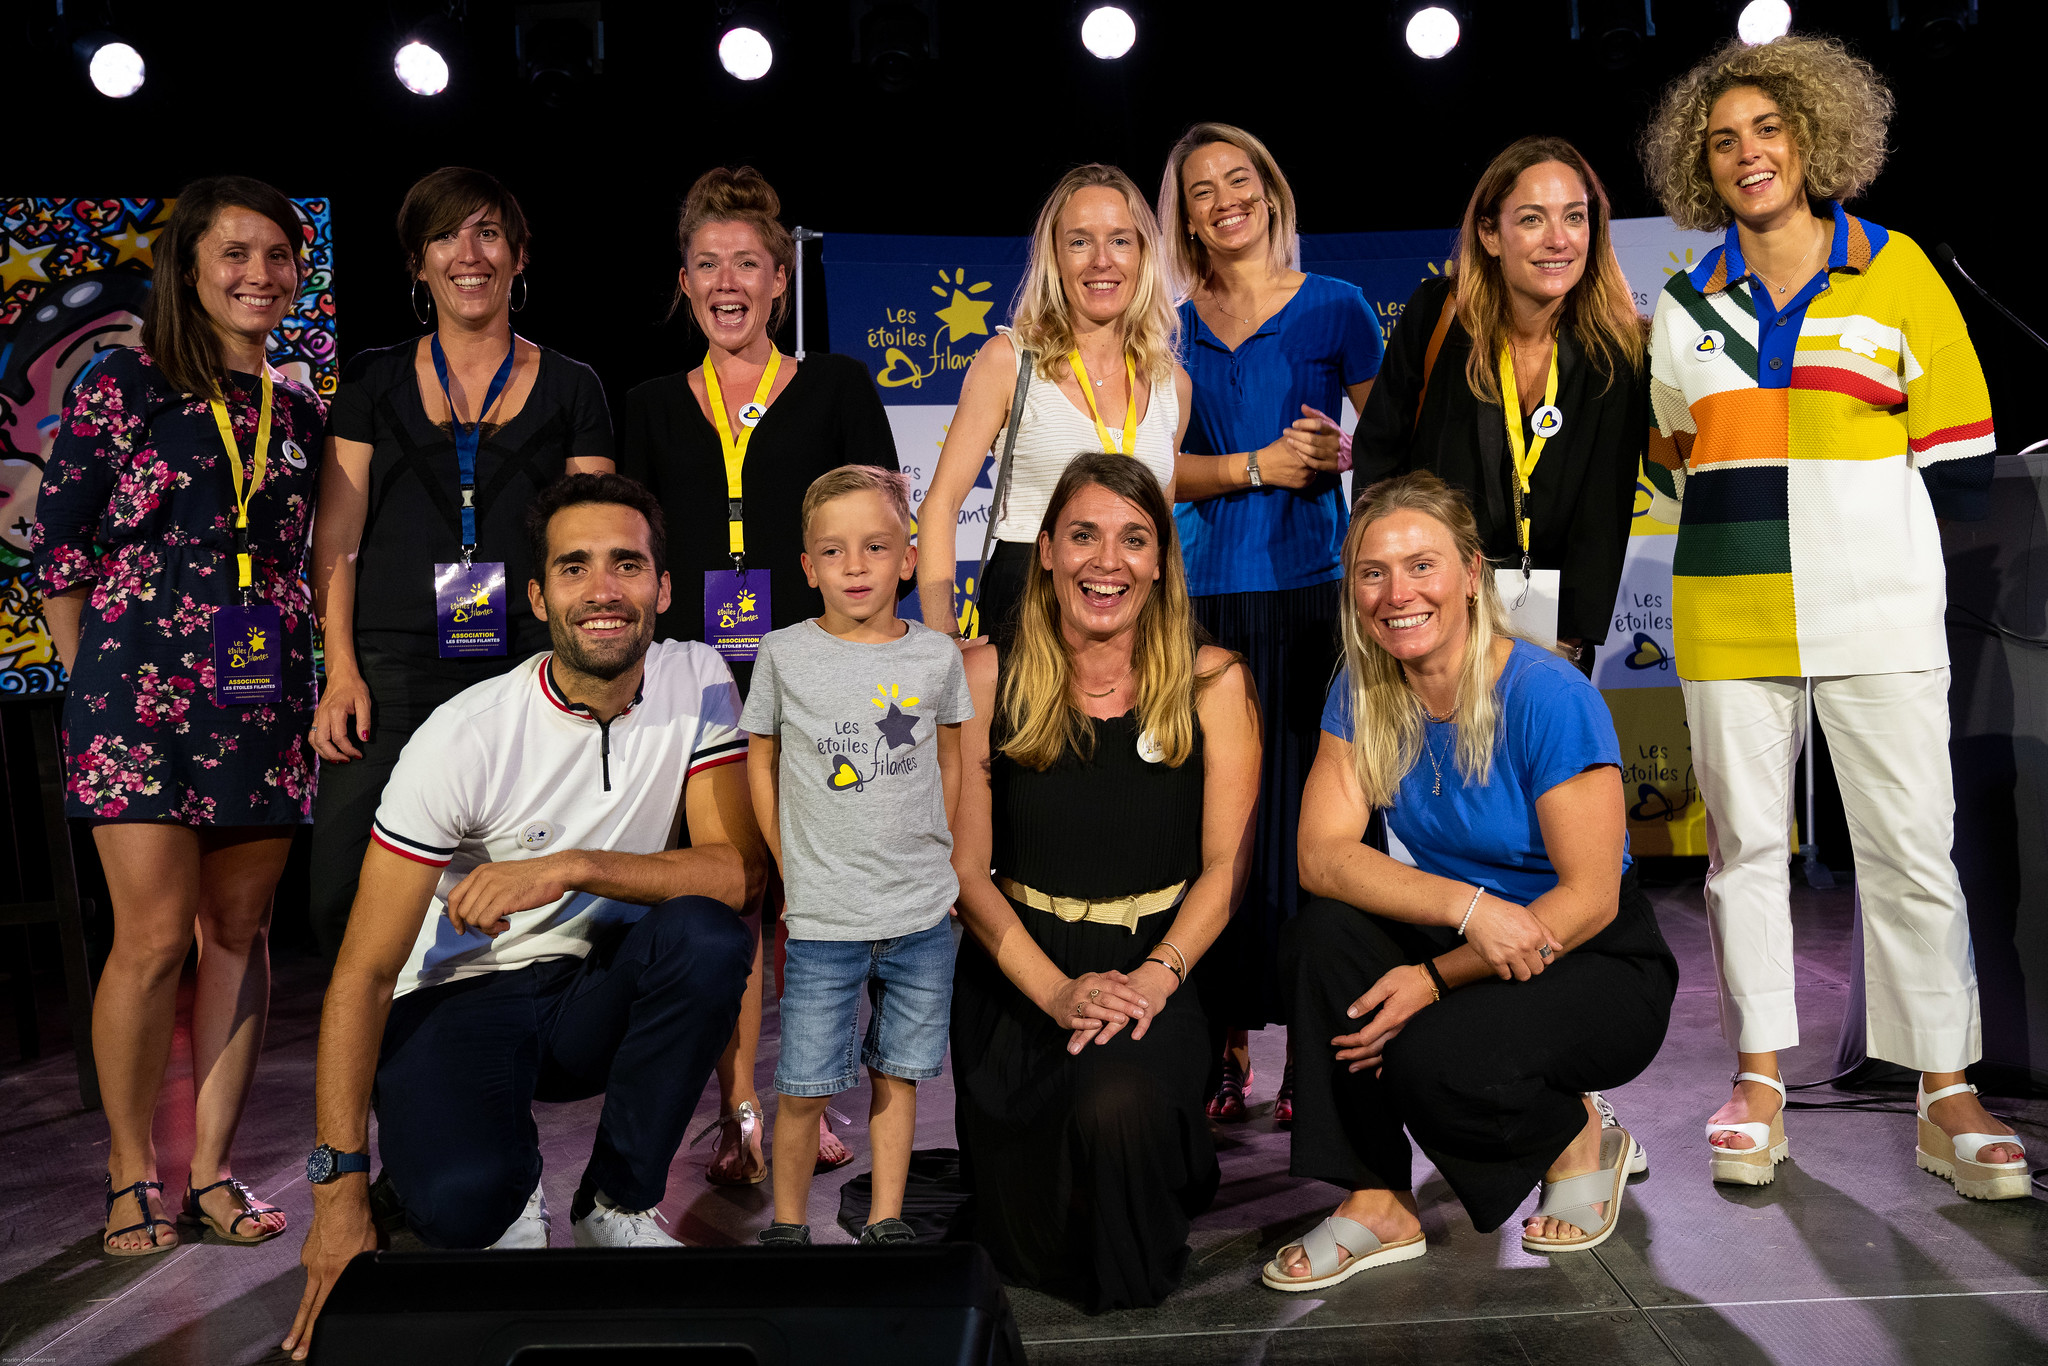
[1251, 468]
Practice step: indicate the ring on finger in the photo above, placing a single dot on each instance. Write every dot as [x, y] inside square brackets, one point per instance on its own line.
[1544, 953]
[1095, 993]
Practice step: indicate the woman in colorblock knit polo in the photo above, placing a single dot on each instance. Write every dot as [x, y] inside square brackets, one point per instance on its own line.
[1817, 406]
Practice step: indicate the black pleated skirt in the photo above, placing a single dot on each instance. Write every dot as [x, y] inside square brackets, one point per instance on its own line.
[1289, 641]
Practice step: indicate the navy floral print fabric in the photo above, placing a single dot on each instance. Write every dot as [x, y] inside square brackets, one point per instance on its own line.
[138, 503]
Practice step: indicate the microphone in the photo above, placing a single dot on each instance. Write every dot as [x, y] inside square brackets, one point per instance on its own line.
[1945, 255]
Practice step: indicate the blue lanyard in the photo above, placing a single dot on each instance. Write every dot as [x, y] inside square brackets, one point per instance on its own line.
[468, 435]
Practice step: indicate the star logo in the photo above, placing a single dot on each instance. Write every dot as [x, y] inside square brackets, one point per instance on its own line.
[898, 728]
[22, 264]
[963, 317]
[131, 243]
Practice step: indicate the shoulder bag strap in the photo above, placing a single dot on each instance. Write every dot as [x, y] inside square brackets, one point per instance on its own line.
[1436, 344]
[1002, 488]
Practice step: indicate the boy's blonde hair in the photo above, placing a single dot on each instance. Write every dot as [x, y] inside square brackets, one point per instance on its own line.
[857, 479]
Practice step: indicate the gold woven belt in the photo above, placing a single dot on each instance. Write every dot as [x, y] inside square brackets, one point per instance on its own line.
[1126, 911]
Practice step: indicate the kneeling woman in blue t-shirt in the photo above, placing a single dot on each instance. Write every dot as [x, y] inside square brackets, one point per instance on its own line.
[1475, 998]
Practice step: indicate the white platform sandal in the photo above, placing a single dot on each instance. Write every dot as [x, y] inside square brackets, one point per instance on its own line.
[1324, 1246]
[1954, 1160]
[1756, 1165]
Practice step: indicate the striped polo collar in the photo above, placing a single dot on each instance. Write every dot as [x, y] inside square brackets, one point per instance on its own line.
[1857, 243]
[552, 691]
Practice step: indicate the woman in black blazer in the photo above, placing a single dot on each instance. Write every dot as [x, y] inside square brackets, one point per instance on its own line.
[1538, 283]
[797, 421]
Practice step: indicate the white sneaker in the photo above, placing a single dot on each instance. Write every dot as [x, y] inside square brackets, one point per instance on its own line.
[607, 1226]
[529, 1230]
[1638, 1160]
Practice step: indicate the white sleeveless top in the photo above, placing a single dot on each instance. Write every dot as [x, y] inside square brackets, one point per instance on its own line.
[1055, 431]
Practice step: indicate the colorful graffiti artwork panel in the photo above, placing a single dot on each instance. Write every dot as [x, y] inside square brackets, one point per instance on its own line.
[74, 275]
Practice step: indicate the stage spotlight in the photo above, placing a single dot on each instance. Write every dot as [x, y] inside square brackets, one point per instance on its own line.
[420, 69]
[115, 67]
[1763, 20]
[1617, 28]
[1432, 32]
[896, 40]
[1109, 32]
[745, 53]
[1935, 29]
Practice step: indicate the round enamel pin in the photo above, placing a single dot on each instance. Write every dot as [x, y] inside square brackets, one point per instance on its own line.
[1709, 345]
[293, 456]
[1547, 421]
[1149, 748]
[751, 415]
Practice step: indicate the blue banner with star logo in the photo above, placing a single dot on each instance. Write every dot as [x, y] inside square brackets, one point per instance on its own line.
[916, 309]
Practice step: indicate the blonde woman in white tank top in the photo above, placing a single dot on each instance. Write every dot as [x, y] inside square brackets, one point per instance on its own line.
[1096, 312]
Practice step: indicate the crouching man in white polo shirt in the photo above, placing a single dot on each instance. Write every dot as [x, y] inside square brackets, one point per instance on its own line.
[525, 931]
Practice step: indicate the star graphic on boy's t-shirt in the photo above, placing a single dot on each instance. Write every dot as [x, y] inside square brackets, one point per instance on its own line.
[897, 728]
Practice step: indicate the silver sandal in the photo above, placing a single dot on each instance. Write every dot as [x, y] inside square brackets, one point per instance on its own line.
[1572, 1199]
[1327, 1265]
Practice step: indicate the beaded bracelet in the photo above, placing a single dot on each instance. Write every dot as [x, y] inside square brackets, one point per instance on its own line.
[1472, 906]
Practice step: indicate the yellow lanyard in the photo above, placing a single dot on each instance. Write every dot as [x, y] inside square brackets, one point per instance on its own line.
[1511, 406]
[244, 493]
[1130, 402]
[735, 446]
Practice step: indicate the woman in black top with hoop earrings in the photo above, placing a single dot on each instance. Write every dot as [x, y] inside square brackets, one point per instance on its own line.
[405, 627]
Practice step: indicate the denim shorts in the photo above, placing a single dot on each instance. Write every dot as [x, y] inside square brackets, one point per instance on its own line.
[908, 979]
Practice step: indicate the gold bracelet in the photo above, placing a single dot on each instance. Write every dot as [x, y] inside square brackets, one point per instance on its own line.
[1169, 944]
[1430, 982]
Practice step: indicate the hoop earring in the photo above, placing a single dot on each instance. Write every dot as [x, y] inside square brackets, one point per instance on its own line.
[520, 280]
[415, 301]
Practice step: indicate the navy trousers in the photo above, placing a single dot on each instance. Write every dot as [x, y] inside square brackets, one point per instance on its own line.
[641, 1019]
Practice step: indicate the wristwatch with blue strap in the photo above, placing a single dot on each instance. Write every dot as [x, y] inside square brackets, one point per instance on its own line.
[325, 1164]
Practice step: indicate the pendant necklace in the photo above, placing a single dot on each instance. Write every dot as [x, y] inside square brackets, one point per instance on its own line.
[1213, 298]
[1436, 789]
[1780, 289]
[1106, 691]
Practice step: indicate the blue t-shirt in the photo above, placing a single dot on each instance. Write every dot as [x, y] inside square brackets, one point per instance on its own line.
[1259, 540]
[1554, 725]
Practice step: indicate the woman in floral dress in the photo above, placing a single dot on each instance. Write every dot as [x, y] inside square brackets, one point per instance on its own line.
[193, 798]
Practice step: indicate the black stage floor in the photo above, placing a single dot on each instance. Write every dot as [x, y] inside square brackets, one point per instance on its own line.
[1853, 1256]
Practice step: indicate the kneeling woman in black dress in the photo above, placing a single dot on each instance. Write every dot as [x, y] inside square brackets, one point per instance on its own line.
[1475, 998]
[1110, 773]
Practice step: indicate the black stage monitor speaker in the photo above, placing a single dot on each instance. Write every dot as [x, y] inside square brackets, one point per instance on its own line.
[904, 1306]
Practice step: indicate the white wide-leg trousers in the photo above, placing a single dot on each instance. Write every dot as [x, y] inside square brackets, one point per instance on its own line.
[1888, 735]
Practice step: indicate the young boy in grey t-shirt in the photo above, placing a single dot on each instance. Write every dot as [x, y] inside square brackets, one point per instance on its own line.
[854, 767]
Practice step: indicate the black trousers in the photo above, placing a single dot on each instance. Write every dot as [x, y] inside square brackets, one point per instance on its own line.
[641, 1019]
[403, 694]
[1489, 1079]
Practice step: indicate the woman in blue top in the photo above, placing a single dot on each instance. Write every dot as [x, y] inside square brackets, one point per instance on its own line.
[1273, 353]
[1475, 998]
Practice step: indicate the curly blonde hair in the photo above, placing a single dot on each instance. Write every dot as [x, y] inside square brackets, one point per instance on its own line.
[1835, 104]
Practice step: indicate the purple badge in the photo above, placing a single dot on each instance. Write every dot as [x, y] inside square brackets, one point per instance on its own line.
[736, 611]
[469, 608]
[248, 655]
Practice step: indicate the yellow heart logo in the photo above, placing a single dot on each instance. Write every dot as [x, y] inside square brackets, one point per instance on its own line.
[1648, 654]
[892, 378]
[1651, 805]
[845, 776]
